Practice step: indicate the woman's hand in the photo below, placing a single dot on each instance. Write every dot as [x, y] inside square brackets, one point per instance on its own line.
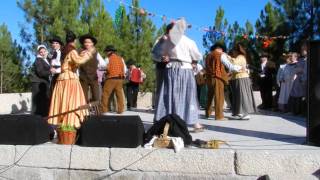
[165, 59]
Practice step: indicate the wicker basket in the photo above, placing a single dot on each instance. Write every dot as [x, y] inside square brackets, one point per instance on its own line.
[163, 141]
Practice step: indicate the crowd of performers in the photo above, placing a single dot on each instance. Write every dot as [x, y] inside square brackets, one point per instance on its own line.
[63, 79]
[66, 78]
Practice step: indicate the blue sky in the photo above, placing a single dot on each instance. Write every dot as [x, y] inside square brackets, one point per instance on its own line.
[197, 12]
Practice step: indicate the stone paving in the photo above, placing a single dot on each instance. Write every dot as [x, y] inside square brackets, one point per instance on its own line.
[265, 130]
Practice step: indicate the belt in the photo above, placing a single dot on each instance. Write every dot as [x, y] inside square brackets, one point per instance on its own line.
[119, 77]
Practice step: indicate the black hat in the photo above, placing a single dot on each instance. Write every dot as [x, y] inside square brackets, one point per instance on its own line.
[70, 36]
[262, 55]
[110, 48]
[56, 39]
[88, 36]
[218, 45]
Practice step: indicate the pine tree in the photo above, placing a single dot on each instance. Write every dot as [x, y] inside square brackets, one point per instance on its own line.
[100, 23]
[13, 58]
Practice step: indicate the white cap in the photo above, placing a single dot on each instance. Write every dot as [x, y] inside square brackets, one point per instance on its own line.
[41, 46]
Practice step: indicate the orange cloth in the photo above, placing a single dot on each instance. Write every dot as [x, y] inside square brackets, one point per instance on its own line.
[115, 67]
[215, 68]
[68, 94]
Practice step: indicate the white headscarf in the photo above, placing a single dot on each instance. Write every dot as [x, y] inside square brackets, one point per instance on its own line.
[178, 31]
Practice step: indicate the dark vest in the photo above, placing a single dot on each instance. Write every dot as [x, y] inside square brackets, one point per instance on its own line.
[88, 71]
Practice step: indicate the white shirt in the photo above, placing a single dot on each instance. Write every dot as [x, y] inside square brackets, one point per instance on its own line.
[186, 51]
[57, 61]
[102, 64]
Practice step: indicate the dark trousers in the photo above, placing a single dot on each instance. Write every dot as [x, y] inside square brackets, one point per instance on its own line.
[40, 98]
[132, 94]
[266, 93]
[94, 89]
[216, 91]
[53, 82]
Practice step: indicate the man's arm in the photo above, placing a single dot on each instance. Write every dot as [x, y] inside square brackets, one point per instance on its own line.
[225, 61]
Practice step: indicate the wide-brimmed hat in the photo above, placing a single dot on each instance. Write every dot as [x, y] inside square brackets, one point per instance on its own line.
[70, 36]
[56, 39]
[218, 45]
[262, 55]
[110, 48]
[88, 36]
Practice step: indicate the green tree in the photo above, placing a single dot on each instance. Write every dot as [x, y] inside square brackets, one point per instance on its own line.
[214, 35]
[12, 61]
[100, 23]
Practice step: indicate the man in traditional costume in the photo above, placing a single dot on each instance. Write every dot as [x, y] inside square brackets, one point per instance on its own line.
[217, 77]
[267, 81]
[68, 94]
[115, 75]
[88, 71]
[55, 59]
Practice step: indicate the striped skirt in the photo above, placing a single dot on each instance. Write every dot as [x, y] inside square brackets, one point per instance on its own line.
[242, 97]
[178, 95]
[67, 95]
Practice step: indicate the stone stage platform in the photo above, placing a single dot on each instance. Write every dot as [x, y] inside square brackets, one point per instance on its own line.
[268, 144]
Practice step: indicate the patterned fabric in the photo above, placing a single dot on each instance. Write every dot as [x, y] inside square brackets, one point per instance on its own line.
[115, 67]
[215, 68]
[178, 95]
[68, 94]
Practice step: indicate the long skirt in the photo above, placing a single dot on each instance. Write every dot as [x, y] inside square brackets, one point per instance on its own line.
[242, 96]
[40, 98]
[67, 95]
[178, 95]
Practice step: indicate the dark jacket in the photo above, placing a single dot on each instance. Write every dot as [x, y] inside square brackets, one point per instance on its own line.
[178, 128]
[88, 71]
[40, 71]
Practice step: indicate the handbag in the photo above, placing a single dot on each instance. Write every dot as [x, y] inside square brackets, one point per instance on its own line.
[163, 141]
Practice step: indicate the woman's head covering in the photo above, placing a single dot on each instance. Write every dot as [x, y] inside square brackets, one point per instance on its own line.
[70, 36]
[41, 47]
[178, 31]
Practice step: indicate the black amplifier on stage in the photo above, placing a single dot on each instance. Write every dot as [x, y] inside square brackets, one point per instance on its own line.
[112, 131]
[23, 130]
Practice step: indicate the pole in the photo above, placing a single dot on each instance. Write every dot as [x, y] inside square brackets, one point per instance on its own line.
[1, 71]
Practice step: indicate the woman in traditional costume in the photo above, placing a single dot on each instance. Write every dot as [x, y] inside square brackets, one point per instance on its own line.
[242, 95]
[287, 78]
[178, 90]
[68, 94]
[40, 78]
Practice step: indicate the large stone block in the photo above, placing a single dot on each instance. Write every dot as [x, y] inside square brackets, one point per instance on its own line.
[90, 158]
[137, 175]
[6, 155]
[29, 173]
[286, 162]
[47, 156]
[193, 161]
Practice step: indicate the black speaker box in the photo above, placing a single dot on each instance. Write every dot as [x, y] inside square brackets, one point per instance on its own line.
[112, 131]
[23, 130]
[313, 95]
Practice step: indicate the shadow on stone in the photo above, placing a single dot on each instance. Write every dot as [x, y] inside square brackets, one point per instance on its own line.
[16, 110]
[259, 134]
